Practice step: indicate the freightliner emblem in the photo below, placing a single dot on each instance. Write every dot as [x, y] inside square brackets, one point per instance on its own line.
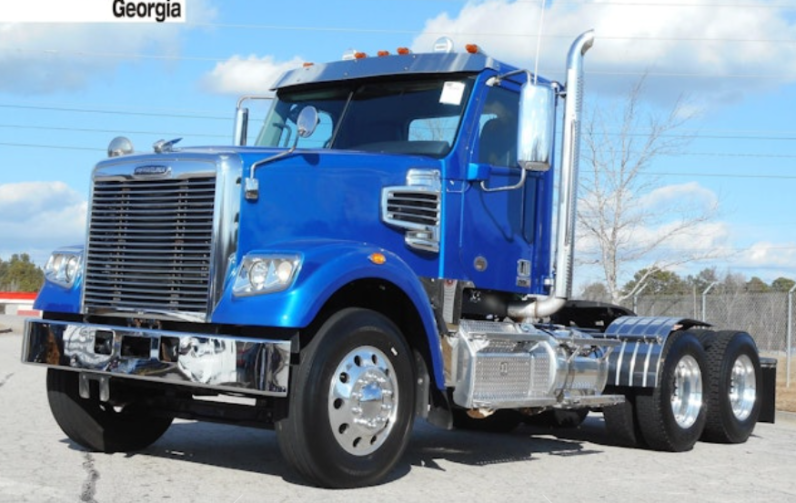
[152, 170]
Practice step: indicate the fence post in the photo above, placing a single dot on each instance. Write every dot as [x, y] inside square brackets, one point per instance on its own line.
[789, 341]
[635, 297]
[704, 300]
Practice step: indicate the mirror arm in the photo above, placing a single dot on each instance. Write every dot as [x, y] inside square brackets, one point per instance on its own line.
[252, 185]
[505, 76]
[523, 176]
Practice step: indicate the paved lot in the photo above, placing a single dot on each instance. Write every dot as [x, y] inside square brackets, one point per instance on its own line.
[215, 463]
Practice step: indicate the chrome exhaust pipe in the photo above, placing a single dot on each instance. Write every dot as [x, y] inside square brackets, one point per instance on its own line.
[543, 306]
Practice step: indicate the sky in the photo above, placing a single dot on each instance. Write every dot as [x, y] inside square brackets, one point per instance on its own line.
[67, 89]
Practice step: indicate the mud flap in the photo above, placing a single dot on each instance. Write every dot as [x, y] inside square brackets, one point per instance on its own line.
[768, 394]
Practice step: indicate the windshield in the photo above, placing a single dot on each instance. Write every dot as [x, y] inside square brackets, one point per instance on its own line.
[403, 117]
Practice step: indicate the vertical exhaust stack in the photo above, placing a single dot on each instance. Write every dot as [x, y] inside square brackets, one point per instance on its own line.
[570, 159]
[541, 307]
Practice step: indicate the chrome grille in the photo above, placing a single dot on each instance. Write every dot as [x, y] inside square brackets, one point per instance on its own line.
[150, 245]
[416, 208]
[411, 206]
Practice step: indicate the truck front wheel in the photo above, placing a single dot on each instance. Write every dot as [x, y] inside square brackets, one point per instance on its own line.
[352, 399]
[100, 426]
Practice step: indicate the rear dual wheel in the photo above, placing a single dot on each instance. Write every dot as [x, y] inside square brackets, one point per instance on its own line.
[734, 385]
[672, 416]
[708, 389]
[621, 421]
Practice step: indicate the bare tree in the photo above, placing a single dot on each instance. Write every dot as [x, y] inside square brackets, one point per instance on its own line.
[619, 227]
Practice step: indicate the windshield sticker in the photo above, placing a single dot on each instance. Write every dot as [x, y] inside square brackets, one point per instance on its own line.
[452, 93]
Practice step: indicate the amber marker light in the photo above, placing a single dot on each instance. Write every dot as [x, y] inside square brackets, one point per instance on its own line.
[472, 48]
[403, 51]
[307, 65]
[377, 258]
[360, 55]
[383, 53]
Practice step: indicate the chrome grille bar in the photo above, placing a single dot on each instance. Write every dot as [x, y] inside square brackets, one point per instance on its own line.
[150, 245]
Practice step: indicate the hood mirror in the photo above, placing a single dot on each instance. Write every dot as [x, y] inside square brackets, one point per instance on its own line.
[307, 121]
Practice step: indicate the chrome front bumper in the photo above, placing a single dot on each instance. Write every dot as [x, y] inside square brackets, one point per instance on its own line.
[217, 362]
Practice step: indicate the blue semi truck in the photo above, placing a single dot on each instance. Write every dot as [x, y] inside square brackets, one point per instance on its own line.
[384, 250]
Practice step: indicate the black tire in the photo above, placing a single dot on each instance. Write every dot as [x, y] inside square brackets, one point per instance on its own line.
[734, 383]
[558, 418]
[621, 422]
[681, 386]
[99, 426]
[355, 352]
[501, 421]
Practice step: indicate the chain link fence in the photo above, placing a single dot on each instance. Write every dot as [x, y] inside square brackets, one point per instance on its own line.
[767, 317]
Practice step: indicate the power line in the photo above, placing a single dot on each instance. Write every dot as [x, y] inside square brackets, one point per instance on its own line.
[112, 112]
[413, 32]
[56, 147]
[742, 134]
[394, 31]
[204, 135]
[713, 137]
[733, 154]
[88, 130]
[723, 175]
[649, 173]
[587, 3]
[590, 72]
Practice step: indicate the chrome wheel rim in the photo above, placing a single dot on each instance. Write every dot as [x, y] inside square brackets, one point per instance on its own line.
[743, 387]
[686, 399]
[363, 401]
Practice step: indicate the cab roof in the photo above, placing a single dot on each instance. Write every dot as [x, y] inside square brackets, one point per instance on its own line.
[399, 64]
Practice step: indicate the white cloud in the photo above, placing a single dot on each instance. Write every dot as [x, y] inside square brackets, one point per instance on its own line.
[40, 58]
[37, 217]
[766, 254]
[678, 194]
[251, 75]
[623, 31]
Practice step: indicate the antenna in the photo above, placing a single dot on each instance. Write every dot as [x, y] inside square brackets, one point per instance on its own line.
[538, 43]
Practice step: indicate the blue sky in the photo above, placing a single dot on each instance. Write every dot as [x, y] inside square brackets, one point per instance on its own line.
[67, 89]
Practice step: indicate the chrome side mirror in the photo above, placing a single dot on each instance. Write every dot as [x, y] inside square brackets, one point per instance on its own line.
[241, 131]
[241, 126]
[306, 122]
[537, 126]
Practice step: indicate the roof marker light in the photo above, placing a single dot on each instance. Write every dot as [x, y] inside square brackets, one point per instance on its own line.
[443, 44]
[360, 55]
[383, 53]
[307, 64]
[472, 49]
[403, 51]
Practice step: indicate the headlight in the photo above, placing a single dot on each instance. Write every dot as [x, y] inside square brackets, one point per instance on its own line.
[266, 274]
[63, 267]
